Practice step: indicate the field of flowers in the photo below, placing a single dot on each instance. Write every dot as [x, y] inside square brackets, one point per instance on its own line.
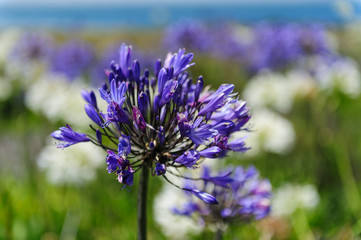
[301, 83]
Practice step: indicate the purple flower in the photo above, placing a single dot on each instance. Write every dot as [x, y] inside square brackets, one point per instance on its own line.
[205, 197]
[90, 98]
[73, 59]
[179, 61]
[277, 46]
[188, 159]
[138, 118]
[241, 194]
[120, 165]
[160, 169]
[68, 137]
[124, 146]
[159, 121]
[93, 114]
[33, 46]
[212, 152]
[189, 34]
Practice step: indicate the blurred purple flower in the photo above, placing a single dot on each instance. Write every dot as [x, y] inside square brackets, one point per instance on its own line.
[187, 33]
[73, 59]
[241, 194]
[33, 46]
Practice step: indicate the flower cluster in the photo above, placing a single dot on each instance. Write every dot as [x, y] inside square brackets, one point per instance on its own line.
[33, 46]
[241, 194]
[160, 121]
[74, 59]
[261, 46]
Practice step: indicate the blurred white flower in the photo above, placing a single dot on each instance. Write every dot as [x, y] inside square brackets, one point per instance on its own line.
[58, 99]
[277, 91]
[173, 226]
[271, 133]
[342, 75]
[290, 197]
[75, 165]
[8, 38]
[5, 88]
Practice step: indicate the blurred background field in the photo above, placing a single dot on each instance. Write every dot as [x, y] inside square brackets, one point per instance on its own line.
[299, 73]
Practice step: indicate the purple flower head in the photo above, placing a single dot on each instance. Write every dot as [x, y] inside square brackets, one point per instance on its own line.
[277, 46]
[73, 59]
[162, 121]
[179, 61]
[189, 34]
[226, 43]
[241, 194]
[68, 137]
[33, 46]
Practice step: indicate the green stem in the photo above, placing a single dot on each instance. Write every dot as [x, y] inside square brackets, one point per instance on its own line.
[301, 225]
[348, 180]
[219, 234]
[142, 203]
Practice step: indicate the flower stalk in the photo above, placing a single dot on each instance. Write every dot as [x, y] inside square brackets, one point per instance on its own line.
[219, 234]
[142, 202]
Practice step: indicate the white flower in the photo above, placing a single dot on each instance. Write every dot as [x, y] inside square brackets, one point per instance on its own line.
[277, 91]
[271, 133]
[342, 74]
[300, 83]
[172, 225]
[58, 99]
[290, 197]
[8, 38]
[75, 165]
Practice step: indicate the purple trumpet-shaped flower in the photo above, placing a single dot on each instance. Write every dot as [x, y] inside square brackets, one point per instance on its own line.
[124, 58]
[164, 75]
[90, 98]
[120, 165]
[93, 114]
[179, 61]
[212, 152]
[143, 103]
[138, 118]
[205, 197]
[188, 159]
[169, 89]
[160, 169]
[162, 121]
[223, 179]
[241, 194]
[68, 137]
[124, 146]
